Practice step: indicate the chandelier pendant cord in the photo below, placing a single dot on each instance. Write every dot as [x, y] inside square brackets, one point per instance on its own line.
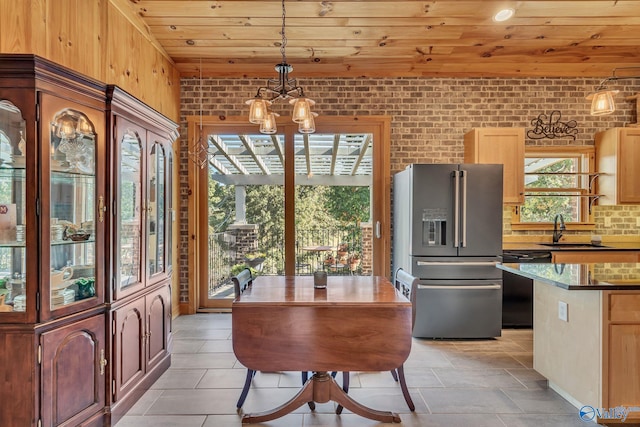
[283, 45]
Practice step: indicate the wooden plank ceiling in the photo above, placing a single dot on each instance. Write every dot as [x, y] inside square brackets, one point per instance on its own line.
[458, 38]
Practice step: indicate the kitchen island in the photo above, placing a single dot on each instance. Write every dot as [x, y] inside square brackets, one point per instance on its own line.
[586, 332]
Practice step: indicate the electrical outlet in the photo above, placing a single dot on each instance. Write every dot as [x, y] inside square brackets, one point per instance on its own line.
[607, 221]
[563, 311]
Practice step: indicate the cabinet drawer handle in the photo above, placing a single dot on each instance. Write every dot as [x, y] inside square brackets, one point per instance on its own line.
[103, 362]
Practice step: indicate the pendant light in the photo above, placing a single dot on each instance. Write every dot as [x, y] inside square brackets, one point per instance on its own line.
[602, 99]
[281, 88]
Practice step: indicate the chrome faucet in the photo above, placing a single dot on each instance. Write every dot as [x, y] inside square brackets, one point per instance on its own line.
[557, 233]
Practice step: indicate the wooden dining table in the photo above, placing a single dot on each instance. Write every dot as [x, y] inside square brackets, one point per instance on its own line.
[357, 323]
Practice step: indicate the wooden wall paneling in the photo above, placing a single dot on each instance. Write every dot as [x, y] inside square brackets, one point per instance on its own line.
[165, 87]
[123, 52]
[22, 27]
[139, 68]
[75, 35]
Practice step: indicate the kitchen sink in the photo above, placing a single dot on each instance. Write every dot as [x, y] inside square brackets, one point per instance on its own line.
[568, 245]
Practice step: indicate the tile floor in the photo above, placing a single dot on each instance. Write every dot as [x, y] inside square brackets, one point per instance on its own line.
[478, 383]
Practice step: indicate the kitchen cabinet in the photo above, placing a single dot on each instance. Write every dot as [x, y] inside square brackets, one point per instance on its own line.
[52, 245]
[618, 163]
[139, 299]
[580, 257]
[591, 357]
[503, 146]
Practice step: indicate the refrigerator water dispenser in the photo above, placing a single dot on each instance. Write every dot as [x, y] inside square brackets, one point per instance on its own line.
[434, 227]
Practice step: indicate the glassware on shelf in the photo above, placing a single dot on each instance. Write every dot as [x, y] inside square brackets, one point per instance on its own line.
[13, 250]
[73, 186]
[75, 139]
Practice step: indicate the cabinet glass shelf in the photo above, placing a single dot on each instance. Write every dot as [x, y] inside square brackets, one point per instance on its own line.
[13, 250]
[73, 189]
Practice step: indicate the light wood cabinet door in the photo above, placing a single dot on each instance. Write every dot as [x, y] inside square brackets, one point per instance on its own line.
[618, 162]
[582, 257]
[503, 146]
[624, 353]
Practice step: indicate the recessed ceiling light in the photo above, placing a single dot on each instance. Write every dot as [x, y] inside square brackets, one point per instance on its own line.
[503, 15]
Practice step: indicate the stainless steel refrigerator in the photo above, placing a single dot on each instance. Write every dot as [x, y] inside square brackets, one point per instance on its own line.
[447, 231]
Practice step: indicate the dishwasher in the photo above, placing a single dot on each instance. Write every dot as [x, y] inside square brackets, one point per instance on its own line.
[517, 291]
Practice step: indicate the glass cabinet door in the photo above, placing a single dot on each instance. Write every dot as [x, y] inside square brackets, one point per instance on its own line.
[72, 208]
[13, 272]
[156, 208]
[128, 248]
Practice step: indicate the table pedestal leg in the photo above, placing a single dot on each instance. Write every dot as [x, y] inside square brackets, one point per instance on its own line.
[322, 388]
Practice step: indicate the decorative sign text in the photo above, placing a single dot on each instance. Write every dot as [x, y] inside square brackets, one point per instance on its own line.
[551, 127]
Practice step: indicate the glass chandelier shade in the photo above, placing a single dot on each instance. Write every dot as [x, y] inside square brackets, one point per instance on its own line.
[268, 125]
[602, 102]
[258, 110]
[301, 109]
[308, 125]
[65, 126]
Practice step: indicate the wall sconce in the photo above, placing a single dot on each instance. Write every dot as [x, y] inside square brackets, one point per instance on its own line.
[602, 102]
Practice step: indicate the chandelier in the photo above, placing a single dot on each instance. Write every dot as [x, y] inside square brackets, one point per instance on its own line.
[602, 99]
[282, 88]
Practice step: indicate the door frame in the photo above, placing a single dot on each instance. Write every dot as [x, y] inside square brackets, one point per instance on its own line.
[378, 126]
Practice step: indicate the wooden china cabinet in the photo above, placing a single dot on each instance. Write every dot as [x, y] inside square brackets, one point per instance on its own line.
[63, 203]
[53, 351]
[139, 297]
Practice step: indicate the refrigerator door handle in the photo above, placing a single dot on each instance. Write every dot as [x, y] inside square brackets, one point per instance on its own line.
[463, 175]
[456, 209]
[460, 288]
[493, 263]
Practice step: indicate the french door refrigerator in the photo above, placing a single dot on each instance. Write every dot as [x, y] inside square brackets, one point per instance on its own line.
[447, 231]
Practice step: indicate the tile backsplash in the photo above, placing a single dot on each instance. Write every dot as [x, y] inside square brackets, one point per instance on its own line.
[623, 223]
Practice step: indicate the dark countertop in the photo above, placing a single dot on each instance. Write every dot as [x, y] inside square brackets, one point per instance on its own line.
[596, 276]
[607, 246]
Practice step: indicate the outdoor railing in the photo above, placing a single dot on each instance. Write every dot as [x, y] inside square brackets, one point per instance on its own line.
[337, 251]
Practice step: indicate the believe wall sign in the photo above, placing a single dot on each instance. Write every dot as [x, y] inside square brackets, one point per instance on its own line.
[551, 127]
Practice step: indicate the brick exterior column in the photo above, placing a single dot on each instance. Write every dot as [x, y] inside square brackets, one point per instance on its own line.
[246, 239]
[367, 248]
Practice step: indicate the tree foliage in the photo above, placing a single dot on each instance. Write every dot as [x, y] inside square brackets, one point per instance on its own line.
[316, 206]
[348, 205]
[544, 207]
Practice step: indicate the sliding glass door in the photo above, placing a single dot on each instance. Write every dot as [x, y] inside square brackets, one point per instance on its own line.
[289, 204]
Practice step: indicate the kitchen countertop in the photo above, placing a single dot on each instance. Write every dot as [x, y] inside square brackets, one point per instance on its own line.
[596, 276]
[607, 246]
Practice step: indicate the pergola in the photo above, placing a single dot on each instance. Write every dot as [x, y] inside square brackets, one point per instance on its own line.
[320, 159]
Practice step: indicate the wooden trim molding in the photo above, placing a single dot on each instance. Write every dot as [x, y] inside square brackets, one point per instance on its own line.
[379, 126]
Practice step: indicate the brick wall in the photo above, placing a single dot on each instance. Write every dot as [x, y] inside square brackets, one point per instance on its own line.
[429, 115]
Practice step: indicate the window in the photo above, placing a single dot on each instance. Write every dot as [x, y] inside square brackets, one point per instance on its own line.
[558, 180]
